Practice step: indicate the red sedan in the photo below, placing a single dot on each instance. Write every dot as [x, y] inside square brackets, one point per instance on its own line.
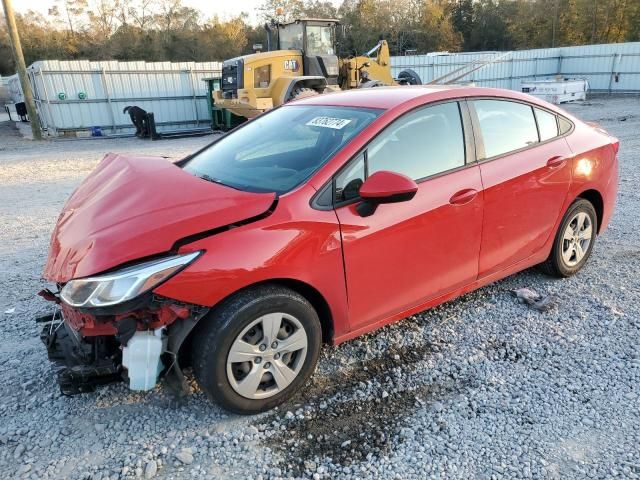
[317, 222]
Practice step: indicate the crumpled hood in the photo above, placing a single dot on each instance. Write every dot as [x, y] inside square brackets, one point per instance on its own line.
[131, 207]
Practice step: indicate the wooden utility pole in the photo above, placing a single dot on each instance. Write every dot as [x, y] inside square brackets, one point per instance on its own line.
[22, 69]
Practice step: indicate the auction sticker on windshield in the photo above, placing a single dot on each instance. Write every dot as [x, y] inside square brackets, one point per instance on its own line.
[329, 122]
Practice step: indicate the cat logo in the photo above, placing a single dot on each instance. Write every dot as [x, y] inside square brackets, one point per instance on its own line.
[292, 65]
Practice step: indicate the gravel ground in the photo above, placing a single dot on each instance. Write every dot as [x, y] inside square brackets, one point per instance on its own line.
[481, 387]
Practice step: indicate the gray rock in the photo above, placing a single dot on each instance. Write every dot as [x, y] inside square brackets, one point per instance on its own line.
[185, 457]
[17, 453]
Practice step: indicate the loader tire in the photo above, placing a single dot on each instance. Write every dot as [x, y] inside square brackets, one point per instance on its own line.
[303, 92]
[409, 77]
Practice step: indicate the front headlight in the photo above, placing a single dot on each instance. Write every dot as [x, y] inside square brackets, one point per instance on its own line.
[122, 285]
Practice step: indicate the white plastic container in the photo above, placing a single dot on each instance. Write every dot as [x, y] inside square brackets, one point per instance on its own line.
[141, 358]
[557, 90]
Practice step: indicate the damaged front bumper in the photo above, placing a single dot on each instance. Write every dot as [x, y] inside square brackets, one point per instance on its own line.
[88, 350]
[82, 363]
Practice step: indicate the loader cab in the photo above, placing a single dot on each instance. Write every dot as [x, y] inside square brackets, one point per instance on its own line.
[316, 39]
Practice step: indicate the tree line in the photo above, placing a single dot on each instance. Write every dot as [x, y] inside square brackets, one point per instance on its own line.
[167, 30]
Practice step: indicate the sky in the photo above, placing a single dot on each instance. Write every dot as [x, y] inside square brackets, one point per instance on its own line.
[223, 8]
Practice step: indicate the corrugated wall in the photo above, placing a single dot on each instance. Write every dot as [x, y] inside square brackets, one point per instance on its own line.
[608, 68]
[79, 95]
[15, 91]
[176, 94]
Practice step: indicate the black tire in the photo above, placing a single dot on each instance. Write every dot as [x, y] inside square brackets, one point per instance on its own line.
[371, 84]
[220, 328]
[303, 92]
[409, 77]
[555, 265]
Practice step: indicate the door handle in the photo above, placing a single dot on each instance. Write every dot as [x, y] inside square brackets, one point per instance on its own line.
[556, 161]
[463, 196]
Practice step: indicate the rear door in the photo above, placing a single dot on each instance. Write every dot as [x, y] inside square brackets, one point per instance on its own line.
[526, 173]
[407, 253]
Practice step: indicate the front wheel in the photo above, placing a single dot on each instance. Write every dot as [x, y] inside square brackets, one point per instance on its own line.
[574, 240]
[257, 349]
[409, 77]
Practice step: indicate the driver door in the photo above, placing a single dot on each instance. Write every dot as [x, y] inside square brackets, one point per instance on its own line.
[408, 253]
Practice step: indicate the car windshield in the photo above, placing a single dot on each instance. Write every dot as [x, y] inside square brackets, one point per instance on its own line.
[277, 151]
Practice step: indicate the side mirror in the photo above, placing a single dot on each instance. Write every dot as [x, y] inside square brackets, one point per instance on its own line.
[385, 187]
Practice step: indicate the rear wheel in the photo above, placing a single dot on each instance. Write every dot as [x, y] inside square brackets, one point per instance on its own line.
[574, 240]
[257, 348]
[303, 92]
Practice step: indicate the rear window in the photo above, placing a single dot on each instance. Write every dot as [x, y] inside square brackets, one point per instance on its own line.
[279, 150]
[547, 124]
[565, 125]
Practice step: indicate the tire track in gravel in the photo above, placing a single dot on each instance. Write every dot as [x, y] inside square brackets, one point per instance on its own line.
[348, 420]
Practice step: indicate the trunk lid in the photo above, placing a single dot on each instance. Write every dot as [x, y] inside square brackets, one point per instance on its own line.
[132, 207]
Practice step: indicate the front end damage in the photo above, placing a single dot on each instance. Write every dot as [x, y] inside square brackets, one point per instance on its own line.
[138, 346]
[124, 232]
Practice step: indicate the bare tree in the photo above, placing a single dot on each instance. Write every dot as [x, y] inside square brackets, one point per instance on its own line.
[142, 13]
[74, 11]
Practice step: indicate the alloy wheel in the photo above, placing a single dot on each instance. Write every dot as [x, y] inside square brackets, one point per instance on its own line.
[576, 239]
[267, 355]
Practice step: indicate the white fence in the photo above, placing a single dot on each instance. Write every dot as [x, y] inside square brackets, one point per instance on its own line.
[609, 68]
[74, 96]
[4, 91]
[13, 86]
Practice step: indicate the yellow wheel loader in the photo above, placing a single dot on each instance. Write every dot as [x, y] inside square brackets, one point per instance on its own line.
[303, 64]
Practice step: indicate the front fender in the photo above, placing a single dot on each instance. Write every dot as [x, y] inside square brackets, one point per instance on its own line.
[295, 243]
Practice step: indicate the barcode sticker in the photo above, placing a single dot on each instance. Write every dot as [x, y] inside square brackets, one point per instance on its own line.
[329, 122]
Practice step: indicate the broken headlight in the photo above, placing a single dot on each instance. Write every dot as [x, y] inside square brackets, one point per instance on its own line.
[122, 285]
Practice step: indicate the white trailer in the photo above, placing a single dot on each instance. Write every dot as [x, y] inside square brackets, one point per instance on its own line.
[557, 90]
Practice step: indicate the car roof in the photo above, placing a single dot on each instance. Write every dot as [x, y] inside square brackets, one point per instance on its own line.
[390, 97]
[378, 97]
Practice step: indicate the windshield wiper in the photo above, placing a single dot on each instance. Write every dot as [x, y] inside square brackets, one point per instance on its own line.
[206, 177]
[240, 186]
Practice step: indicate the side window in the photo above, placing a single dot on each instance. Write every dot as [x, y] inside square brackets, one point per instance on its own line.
[547, 124]
[349, 180]
[262, 76]
[565, 125]
[505, 126]
[421, 143]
